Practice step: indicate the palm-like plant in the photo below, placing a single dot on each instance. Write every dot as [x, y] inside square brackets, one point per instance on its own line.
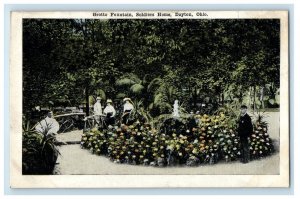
[231, 110]
[39, 152]
[131, 84]
[260, 119]
[139, 113]
[164, 95]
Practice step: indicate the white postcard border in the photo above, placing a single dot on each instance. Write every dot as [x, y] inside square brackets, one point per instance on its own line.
[17, 180]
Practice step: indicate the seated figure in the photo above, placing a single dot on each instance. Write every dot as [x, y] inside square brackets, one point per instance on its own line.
[110, 113]
[48, 126]
[128, 107]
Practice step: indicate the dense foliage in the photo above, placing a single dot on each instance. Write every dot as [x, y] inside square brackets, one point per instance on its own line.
[39, 152]
[68, 62]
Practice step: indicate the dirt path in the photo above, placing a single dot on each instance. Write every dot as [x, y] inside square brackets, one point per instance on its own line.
[74, 160]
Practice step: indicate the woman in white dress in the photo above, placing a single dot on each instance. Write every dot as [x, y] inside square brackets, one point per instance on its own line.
[128, 107]
[110, 113]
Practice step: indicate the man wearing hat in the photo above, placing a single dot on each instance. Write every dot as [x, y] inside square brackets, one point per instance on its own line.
[110, 113]
[245, 129]
[128, 107]
[97, 110]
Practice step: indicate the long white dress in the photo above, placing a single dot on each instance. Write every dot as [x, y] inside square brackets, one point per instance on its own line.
[97, 108]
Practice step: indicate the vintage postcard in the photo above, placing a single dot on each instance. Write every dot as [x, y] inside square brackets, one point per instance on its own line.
[144, 99]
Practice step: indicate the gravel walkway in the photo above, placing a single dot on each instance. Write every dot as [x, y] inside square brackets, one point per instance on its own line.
[70, 137]
[75, 160]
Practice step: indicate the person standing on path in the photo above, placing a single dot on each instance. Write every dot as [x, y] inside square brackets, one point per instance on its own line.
[245, 129]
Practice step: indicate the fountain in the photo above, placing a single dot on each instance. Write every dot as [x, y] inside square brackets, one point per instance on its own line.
[175, 109]
[177, 123]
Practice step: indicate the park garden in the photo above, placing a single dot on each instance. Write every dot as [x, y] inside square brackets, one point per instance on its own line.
[210, 67]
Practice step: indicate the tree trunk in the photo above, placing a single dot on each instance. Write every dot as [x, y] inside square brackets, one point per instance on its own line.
[190, 94]
[250, 96]
[195, 97]
[254, 96]
[262, 97]
[223, 98]
[241, 97]
[87, 107]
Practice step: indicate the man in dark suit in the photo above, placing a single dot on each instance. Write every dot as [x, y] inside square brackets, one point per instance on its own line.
[245, 129]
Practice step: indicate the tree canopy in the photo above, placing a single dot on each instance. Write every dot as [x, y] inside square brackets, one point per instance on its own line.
[66, 61]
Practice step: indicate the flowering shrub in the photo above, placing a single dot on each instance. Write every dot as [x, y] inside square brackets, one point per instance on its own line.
[212, 139]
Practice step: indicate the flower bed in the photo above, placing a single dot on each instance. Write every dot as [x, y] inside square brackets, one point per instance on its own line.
[213, 139]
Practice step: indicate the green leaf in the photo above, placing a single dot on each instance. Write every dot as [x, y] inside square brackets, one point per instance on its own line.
[137, 88]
